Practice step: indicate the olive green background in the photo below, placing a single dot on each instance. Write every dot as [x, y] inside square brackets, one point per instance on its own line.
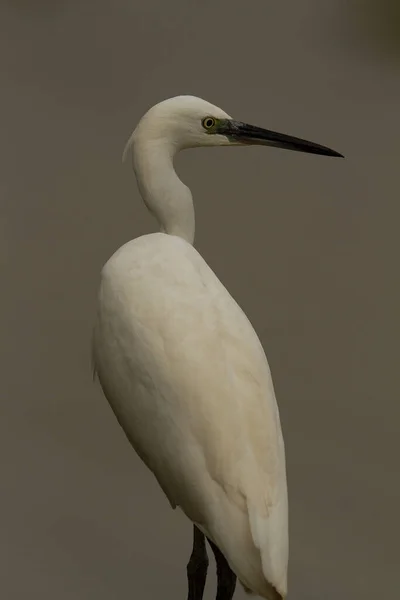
[307, 245]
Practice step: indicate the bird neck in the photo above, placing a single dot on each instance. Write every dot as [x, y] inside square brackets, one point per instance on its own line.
[166, 197]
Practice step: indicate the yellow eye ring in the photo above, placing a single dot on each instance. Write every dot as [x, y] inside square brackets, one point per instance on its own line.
[208, 122]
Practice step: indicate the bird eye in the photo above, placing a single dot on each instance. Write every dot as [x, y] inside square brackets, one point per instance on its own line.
[208, 122]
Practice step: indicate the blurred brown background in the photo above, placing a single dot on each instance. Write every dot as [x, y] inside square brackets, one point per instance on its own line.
[307, 245]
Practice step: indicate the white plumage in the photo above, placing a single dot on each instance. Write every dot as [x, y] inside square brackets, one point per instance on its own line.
[183, 368]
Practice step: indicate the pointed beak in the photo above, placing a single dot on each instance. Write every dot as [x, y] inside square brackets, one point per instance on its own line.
[242, 133]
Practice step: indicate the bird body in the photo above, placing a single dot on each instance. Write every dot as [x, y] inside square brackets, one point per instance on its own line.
[188, 380]
[183, 368]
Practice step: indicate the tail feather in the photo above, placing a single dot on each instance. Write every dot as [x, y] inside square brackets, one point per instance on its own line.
[246, 589]
[272, 595]
[269, 533]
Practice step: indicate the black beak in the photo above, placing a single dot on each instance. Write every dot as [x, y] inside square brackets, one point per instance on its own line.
[243, 133]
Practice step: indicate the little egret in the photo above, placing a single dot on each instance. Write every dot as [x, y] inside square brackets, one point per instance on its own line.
[184, 370]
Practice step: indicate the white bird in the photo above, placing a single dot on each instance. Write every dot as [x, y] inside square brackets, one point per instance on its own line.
[184, 370]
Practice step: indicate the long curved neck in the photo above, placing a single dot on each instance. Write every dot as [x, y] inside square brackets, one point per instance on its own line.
[164, 194]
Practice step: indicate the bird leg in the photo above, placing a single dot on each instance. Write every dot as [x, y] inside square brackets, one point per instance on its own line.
[225, 576]
[197, 566]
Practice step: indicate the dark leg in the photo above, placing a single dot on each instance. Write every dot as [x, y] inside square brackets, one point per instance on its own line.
[197, 566]
[226, 577]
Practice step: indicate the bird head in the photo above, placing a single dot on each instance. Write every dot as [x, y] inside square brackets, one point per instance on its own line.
[188, 122]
